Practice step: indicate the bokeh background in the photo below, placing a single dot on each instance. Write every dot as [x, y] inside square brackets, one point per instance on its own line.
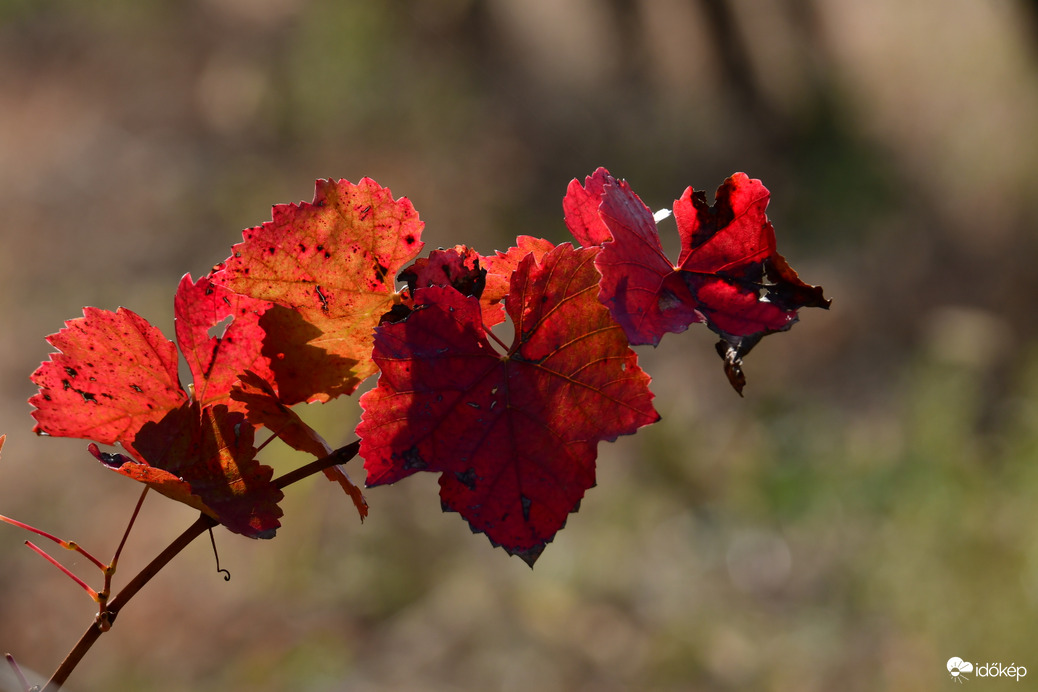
[869, 509]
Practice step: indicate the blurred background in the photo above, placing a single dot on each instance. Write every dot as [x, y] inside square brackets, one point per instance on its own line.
[867, 512]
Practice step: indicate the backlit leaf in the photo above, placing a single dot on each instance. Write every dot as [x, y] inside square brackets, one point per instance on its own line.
[206, 459]
[333, 261]
[514, 435]
[729, 273]
[113, 373]
[216, 360]
[263, 407]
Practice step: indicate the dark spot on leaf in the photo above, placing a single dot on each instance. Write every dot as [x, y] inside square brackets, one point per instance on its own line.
[71, 372]
[302, 248]
[87, 396]
[365, 211]
[65, 384]
[525, 502]
[467, 478]
[413, 460]
[271, 250]
[136, 388]
[409, 240]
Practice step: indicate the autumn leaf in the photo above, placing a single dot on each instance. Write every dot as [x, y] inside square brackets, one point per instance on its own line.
[501, 265]
[729, 273]
[642, 289]
[205, 458]
[112, 374]
[514, 435]
[459, 267]
[332, 262]
[264, 408]
[114, 380]
[581, 208]
[216, 360]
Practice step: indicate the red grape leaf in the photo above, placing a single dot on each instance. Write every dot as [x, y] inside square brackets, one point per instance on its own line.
[263, 407]
[485, 277]
[216, 361]
[301, 369]
[333, 261]
[514, 436]
[642, 289]
[729, 273]
[114, 380]
[500, 265]
[580, 206]
[112, 374]
[165, 482]
[459, 267]
[206, 459]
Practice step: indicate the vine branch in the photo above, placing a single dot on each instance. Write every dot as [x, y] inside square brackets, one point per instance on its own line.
[201, 525]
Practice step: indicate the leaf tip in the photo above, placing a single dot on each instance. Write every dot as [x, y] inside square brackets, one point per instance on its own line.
[528, 555]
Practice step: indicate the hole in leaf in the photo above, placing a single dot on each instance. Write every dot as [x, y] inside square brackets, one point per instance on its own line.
[217, 330]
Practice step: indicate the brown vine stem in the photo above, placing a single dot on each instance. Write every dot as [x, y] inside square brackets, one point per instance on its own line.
[204, 522]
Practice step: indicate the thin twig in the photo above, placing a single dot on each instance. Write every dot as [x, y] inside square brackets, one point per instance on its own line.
[339, 456]
[201, 525]
[68, 545]
[495, 337]
[65, 570]
[16, 668]
[126, 534]
[97, 628]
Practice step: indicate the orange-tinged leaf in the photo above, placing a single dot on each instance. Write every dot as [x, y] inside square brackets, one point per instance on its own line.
[206, 459]
[333, 261]
[337, 474]
[263, 407]
[514, 436]
[165, 482]
[113, 373]
[500, 265]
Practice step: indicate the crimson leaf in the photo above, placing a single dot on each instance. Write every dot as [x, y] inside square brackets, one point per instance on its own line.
[514, 435]
[729, 273]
